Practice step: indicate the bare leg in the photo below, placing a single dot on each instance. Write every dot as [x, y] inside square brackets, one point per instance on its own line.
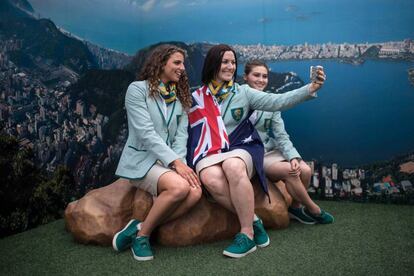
[280, 170]
[305, 177]
[241, 193]
[305, 174]
[215, 182]
[172, 191]
[192, 198]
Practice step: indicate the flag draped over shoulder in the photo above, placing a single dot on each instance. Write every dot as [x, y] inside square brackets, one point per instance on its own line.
[207, 134]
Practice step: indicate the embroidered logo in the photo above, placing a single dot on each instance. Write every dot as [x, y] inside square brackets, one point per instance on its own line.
[237, 113]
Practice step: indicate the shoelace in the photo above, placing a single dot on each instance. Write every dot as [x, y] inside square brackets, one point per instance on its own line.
[240, 240]
[144, 243]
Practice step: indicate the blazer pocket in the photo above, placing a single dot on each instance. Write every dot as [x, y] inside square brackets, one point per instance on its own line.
[134, 148]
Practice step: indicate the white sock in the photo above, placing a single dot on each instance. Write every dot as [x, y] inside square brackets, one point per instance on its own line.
[255, 218]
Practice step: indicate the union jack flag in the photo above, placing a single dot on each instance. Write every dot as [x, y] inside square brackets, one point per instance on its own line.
[207, 133]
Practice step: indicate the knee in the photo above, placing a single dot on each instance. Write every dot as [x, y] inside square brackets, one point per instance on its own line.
[179, 190]
[305, 169]
[194, 195]
[212, 180]
[234, 168]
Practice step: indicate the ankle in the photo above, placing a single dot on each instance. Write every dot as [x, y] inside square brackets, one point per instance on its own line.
[247, 232]
[143, 234]
[315, 211]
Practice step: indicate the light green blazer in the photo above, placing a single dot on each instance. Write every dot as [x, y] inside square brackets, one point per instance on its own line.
[151, 136]
[243, 98]
[271, 129]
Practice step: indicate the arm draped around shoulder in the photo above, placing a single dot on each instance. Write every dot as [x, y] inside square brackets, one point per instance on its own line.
[143, 127]
[281, 138]
[259, 100]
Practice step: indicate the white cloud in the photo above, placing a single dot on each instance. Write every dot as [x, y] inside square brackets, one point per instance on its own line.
[144, 5]
[148, 5]
[170, 4]
[197, 3]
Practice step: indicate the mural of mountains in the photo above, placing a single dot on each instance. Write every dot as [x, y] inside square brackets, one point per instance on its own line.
[62, 101]
[40, 46]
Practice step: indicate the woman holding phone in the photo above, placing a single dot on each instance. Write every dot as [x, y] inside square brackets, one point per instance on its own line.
[221, 138]
[153, 158]
[282, 161]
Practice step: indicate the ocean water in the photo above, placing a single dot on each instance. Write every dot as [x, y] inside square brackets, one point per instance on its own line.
[128, 25]
[362, 114]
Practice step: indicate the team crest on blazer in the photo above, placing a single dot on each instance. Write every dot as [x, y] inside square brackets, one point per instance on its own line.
[237, 113]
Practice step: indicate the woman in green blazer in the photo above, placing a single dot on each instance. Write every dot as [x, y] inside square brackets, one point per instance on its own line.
[226, 174]
[153, 158]
[295, 172]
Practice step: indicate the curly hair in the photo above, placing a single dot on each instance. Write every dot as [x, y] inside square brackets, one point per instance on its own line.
[153, 68]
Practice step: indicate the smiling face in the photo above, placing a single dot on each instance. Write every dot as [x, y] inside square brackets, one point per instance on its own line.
[227, 68]
[257, 78]
[173, 69]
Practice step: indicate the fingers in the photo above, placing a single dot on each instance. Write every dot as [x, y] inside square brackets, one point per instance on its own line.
[320, 77]
[295, 168]
[191, 178]
[295, 172]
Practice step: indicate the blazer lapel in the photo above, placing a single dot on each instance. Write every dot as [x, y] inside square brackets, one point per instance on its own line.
[226, 107]
[160, 106]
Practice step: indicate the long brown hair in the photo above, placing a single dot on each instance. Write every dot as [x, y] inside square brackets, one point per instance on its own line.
[212, 62]
[153, 68]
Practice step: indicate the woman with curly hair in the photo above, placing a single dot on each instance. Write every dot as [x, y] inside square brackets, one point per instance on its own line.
[225, 148]
[153, 158]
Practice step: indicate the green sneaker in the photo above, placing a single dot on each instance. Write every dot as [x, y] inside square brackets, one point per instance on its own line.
[241, 246]
[141, 249]
[123, 239]
[299, 215]
[323, 218]
[260, 236]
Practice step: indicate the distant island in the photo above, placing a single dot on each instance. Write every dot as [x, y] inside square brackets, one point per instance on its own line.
[355, 53]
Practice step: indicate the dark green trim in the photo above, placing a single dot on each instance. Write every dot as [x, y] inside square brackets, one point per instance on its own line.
[171, 115]
[160, 110]
[258, 120]
[135, 148]
[227, 107]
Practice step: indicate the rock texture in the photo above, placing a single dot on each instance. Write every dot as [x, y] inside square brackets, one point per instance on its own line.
[206, 222]
[97, 216]
[274, 213]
